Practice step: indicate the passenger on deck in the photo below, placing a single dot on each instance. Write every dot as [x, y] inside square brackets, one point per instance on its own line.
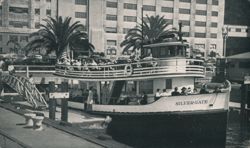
[157, 94]
[144, 99]
[184, 91]
[175, 92]
[90, 96]
[195, 91]
[105, 92]
[164, 93]
[217, 90]
[189, 91]
[123, 99]
[78, 64]
[204, 89]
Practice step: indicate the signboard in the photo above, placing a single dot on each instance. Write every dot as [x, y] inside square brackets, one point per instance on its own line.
[59, 95]
[247, 80]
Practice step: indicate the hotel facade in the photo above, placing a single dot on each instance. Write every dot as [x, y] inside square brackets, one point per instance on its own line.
[107, 21]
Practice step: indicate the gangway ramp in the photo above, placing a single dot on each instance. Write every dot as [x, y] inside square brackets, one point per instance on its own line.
[26, 89]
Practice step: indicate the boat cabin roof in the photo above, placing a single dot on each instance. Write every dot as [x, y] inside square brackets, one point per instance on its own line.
[164, 44]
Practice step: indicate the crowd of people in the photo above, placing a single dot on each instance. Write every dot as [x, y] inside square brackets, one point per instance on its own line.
[95, 62]
[186, 91]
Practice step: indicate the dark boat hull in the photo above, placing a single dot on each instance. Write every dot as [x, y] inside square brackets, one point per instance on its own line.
[184, 128]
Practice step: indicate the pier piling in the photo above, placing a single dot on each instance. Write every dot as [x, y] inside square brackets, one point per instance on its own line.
[52, 102]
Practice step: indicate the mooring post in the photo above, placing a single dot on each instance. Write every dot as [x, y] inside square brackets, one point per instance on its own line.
[52, 102]
[64, 113]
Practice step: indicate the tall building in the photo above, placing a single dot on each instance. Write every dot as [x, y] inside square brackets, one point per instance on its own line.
[108, 21]
[237, 20]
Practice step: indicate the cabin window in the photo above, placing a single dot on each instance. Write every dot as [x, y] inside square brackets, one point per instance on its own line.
[146, 86]
[168, 83]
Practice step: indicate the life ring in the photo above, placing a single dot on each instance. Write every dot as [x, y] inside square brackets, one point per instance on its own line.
[128, 70]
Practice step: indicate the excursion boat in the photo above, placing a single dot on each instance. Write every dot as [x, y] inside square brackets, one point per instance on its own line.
[164, 66]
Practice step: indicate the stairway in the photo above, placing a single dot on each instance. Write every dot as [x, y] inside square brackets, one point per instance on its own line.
[116, 91]
[23, 87]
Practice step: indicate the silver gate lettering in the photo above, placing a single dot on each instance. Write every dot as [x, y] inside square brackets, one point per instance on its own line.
[194, 102]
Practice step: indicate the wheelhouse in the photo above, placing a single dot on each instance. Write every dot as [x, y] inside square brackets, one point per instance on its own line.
[166, 50]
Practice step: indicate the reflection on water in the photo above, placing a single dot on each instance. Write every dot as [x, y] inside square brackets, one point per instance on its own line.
[237, 136]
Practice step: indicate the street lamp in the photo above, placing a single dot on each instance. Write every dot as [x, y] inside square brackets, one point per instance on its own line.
[142, 28]
[225, 36]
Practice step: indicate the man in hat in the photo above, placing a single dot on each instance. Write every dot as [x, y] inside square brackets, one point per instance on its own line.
[175, 92]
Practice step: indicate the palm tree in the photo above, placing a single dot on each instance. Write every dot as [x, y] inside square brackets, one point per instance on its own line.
[57, 35]
[155, 29]
[16, 46]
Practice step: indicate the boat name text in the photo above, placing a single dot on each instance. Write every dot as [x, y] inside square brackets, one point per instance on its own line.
[193, 102]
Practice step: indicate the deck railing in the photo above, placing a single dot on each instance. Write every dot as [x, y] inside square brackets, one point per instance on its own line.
[135, 69]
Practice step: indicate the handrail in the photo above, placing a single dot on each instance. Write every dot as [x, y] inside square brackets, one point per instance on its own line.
[22, 86]
[177, 66]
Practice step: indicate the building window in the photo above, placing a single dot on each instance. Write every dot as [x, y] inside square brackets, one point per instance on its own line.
[80, 14]
[212, 47]
[201, 12]
[200, 35]
[1, 37]
[0, 22]
[213, 24]
[214, 13]
[148, 8]
[111, 29]
[1, 49]
[185, 23]
[146, 86]
[130, 6]
[200, 24]
[37, 11]
[111, 42]
[215, 2]
[185, 1]
[168, 0]
[213, 35]
[48, 0]
[111, 17]
[129, 18]
[37, 25]
[167, 9]
[38, 0]
[168, 84]
[237, 30]
[184, 11]
[111, 51]
[170, 21]
[199, 46]
[81, 2]
[18, 10]
[111, 4]
[48, 12]
[125, 30]
[24, 38]
[201, 1]
[18, 24]
[186, 34]
[13, 38]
